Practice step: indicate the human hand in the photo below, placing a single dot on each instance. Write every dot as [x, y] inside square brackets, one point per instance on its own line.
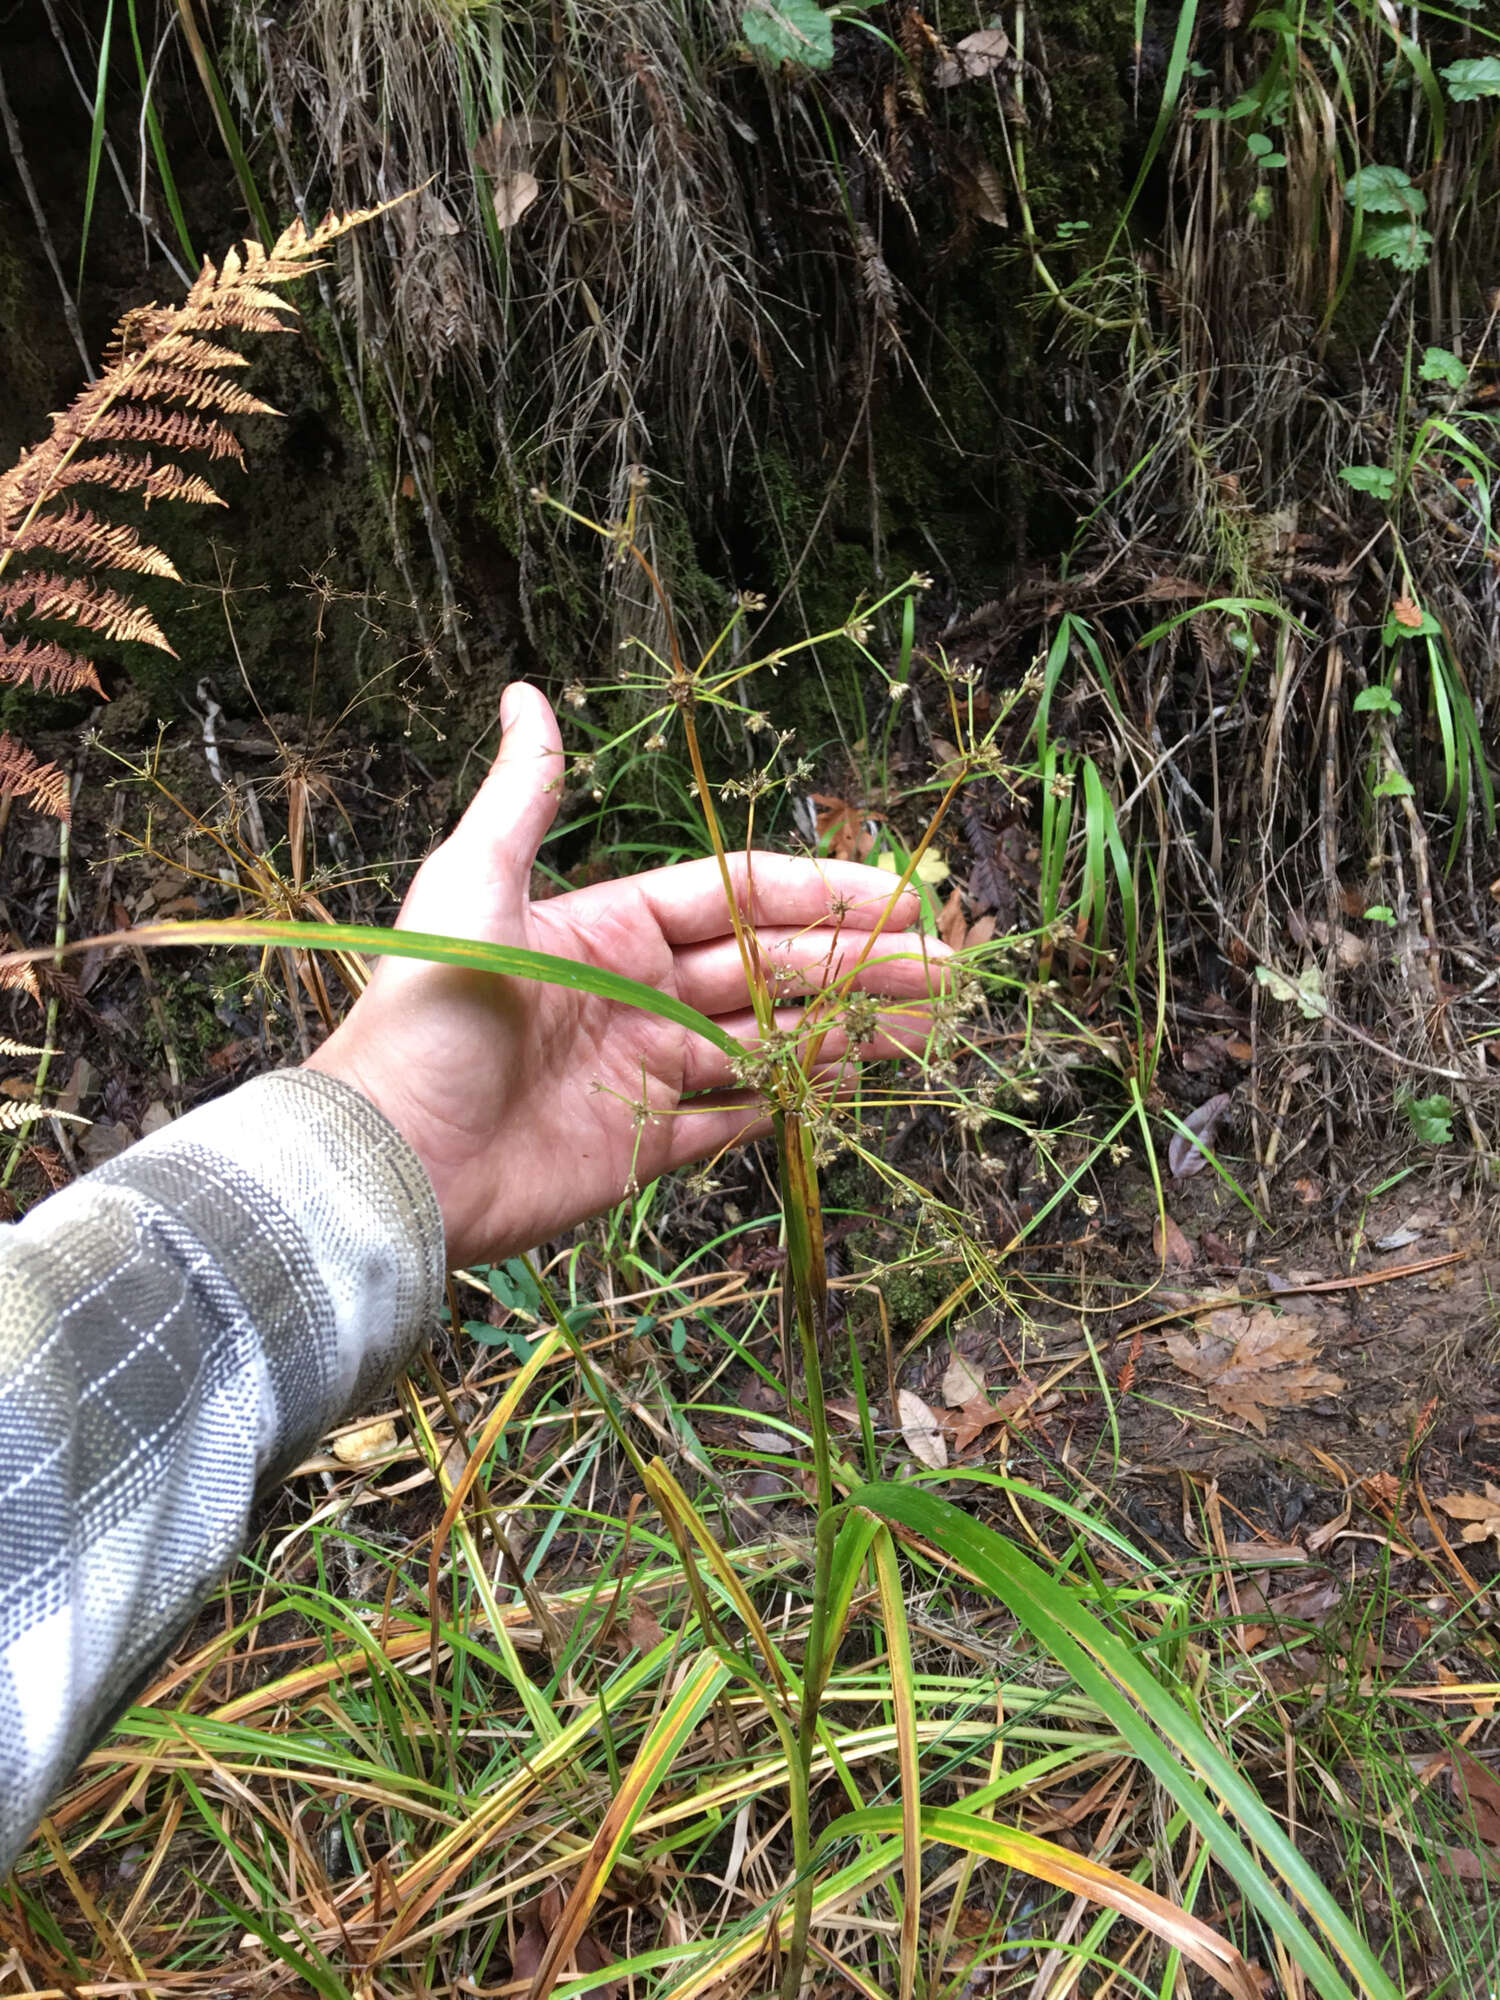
[521, 1099]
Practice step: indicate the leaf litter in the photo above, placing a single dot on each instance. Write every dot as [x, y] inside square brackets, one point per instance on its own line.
[1479, 1512]
[1189, 1155]
[919, 1427]
[1249, 1363]
[971, 1412]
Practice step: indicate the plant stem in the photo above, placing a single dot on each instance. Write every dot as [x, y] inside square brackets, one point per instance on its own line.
[807, 1266]
[808, 1269]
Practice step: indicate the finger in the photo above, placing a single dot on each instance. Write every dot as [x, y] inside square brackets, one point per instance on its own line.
[480, 876]
[688, 903]
[711, 977]
[707, 1067]
[699, 1131]
[732, 1118]
[518, 800]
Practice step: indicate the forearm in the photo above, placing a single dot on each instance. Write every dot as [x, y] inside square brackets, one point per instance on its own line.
[175, 1329]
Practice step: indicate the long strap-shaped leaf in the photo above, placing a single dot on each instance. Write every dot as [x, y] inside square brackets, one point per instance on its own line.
[1112, 1674]
[1047, 1862]
[511, 959]
[653, 1761]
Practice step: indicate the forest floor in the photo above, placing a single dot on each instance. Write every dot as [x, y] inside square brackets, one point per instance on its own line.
[1299, 1408]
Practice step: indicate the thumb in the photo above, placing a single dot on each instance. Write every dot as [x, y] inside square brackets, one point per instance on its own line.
[496, 841]
[518, 801]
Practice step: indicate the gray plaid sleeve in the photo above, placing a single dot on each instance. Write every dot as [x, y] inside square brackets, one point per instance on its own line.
[175, 1329]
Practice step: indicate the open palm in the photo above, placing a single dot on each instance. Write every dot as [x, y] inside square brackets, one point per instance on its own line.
[533, 1106]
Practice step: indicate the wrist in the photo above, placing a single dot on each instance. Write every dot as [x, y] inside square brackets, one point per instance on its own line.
[339, 1057]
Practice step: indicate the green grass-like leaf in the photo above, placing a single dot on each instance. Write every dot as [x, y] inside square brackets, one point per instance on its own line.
[1166, 1738]
[511, 961]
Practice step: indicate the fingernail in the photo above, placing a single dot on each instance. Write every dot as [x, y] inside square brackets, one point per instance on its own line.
[509, 702]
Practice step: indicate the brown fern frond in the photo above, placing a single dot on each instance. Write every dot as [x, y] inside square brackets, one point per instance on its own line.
[45, 664]
[165, 384]
[172, 430]
[78, 601]
[186, 350]
[82, 537]
[132, 472]
[23, 775]
[249, 311]
[20, 485]
[17, 974]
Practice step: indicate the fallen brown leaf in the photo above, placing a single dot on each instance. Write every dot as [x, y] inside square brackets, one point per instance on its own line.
[962, 1382]
[1171, 1246]
[512, 197]
[1018, 1407]
[1189, 1155]
[370, 1441]
[971, 1420]
[947, 759]
[838, 824]
[541, 1920]
[1023, 1400]
[985, 193]
[643, 1627]
[1471, 1783]
[774, 1441]
[951, 924]
[955, 931]
[1464, 1865]
[975, 56]
[1206, 1053]
[1479, 1511]
[1248, 1362]
[919, 1427]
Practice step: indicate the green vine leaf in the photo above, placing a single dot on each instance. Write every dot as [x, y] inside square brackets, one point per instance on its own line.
[1405, 244]
[1385, 191]
[1430, 1118]
[1376, 479]
[1474, 77]
[795, 31]
[1439, 365]
[1376, 700]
